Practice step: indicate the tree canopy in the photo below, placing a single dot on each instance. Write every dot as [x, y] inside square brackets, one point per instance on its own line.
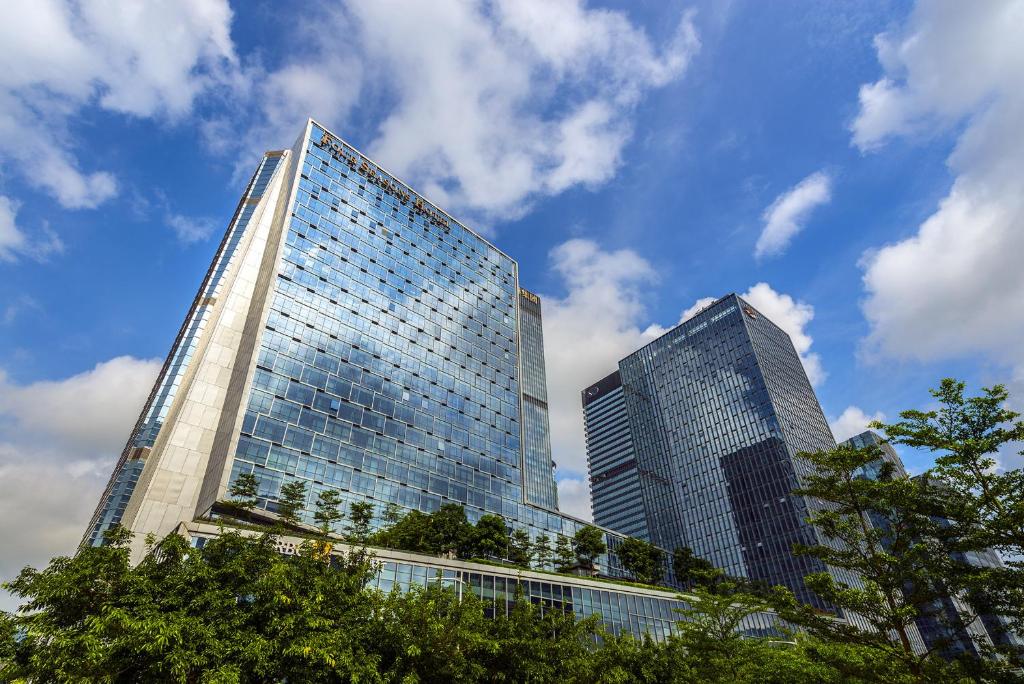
[238, 610]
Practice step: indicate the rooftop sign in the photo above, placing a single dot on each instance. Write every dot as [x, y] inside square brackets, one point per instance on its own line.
[378, 177]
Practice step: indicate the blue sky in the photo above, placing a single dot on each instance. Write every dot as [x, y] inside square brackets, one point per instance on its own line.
[631, 156]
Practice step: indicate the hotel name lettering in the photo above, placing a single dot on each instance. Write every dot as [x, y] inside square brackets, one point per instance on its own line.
[369, 170]
[529, 296]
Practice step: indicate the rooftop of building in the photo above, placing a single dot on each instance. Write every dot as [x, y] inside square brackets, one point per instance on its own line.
[313, 122]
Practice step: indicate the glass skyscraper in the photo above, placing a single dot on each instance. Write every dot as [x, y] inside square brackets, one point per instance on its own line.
[718, 409]
[538, 468]
[355, 336]
[614, 479]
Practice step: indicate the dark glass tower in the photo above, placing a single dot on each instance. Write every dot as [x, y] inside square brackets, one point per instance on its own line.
[614, 479]
[538, 468]
[719, 407]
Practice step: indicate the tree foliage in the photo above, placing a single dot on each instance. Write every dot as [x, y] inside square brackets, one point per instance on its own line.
[980, 504]
[520, 549]
[689, 568]
[564, 556]
[239, 611]
[894, 560]
[906, 542]
[490, 538]
[645, 561]
[328, 511]
[291, 502]
[542, 551]
[588, 543]
[360, 516]
[244, 490]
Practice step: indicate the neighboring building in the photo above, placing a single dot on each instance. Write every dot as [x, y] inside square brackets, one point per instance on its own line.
[870, 438]
[718, 409]
[949, 625]
[353, 335]
[538, 467]
[614, 480]
[624, 609]
[953, 625]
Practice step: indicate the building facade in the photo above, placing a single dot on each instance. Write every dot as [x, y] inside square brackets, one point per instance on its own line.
[352, 335]
[129, 466]
[611, 460]
[538, 466]
[869, 439]
[719, 408]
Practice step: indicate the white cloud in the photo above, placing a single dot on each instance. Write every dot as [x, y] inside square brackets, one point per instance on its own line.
[12, 239]
[698, 306]
[520, 99]
[265, 107]
[14, 242]
[791, 315]
[57, 58]
[587, 331]
[58, 441]
[786, 216]
[574, 497]
[852, 421]
[85, 412]
[953, 288]
[189, 229]
[22, 304]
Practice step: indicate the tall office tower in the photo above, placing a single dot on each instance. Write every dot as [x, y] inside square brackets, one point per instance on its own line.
[352, 335]
[718, 409]
[614, 479]
[538, 467]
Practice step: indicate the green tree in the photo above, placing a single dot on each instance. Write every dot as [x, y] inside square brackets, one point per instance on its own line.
[907, 539]
[429, 635]
[360, 518]
[291, 502]
[588, 543]
[244, 491]
[691, 569]
[519, 547]
[392, 514]
[645, 561]
[235, 610]
[564, 556]
[410, 533]
[490, 537]
[450, 531]
[537, 645]
[328, 511]
[542, 551]
[980, 506]
[896, 560]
